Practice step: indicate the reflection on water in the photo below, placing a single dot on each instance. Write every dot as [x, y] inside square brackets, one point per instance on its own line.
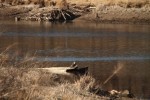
[102, 47]
[91, 59]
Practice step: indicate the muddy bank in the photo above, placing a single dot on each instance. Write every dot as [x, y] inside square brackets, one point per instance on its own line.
[117, 14]
[37, 13]
[88, 12]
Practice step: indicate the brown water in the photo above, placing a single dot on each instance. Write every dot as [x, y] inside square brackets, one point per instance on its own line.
[102, 47]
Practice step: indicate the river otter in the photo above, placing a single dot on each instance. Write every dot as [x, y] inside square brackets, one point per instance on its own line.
[74, 69]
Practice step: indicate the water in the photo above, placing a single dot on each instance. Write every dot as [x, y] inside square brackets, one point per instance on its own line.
[105, 48]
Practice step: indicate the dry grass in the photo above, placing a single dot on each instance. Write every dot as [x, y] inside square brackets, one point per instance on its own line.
[63, 3]
[20, 81]
[122, 3]
[27, 83]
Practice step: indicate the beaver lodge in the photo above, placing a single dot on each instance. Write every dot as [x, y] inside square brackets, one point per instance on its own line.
[56, 12]
[51, 14]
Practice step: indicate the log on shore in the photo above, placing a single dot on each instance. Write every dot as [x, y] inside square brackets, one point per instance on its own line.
[66, 70]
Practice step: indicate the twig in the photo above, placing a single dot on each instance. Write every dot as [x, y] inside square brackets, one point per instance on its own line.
[63, 15]
[67, 14]
[116, 71]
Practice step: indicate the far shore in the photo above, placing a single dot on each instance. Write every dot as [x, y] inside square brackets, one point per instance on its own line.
[88, 12]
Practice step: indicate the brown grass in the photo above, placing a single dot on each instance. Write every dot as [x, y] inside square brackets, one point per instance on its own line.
[122, 3]
[28, 83]
[21, 81]
[63, 3]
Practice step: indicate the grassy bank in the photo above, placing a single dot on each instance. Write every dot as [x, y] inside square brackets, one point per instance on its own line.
[21, 80]
[29, 83]
[25, 84]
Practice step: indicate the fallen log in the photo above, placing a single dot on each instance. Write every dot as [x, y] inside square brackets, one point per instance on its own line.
[75, 70]
[55, 70]
[78, 71]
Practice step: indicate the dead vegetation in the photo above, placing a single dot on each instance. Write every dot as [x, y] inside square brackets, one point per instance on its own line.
[51, 14]
[122, 3]
[29, 84]
[58, 10]
[41, 3]
[26, 84]
[22, 81]
[64, 3]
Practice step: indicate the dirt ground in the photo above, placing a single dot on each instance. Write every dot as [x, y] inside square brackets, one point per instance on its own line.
[117, 14]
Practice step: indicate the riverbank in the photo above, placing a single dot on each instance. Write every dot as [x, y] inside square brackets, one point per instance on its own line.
[117, 14]
[29, 84]
[110, 12]
[118, 11]
[27, 80]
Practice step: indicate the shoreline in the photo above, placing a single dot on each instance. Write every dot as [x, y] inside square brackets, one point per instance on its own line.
[101, 14]
[119, 15]
[117, 21]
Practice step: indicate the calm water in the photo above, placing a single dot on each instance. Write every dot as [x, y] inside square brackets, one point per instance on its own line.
[102, 47]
